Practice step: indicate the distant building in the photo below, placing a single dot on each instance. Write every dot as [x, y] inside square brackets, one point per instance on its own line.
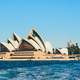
[61, 51]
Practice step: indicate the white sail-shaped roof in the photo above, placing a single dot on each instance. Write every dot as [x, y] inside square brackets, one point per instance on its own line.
[27, 45]
[8, 46]
[49, 47]
[38, 39]
[14, 43]
[63, 51]
[31, 42]
[34, 42]
[16, 37]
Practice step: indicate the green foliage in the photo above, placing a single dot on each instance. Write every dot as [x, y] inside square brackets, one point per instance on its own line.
[74, 49]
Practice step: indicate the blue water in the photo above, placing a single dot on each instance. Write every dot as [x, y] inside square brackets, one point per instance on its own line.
[63, 70]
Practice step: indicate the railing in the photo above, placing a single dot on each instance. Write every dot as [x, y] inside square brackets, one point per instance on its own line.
[24, 57]
[23, 53]
[2, 53]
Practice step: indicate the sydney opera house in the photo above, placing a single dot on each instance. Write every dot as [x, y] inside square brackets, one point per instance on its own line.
[32, 47]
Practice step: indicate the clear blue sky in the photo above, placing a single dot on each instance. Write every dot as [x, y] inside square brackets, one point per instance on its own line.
[56, 20]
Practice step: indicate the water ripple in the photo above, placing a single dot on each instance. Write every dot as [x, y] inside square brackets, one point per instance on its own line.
[69, 71]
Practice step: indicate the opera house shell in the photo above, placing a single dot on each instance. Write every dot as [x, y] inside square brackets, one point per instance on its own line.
[32, 47]
[33, 43]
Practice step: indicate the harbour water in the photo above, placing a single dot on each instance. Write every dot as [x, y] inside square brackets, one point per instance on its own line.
[58, 70]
